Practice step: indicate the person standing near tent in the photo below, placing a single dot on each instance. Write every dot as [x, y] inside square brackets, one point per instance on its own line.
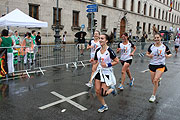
[27, 48]
[17, 38]
[33, 36]
[38, 41]
[6, 41]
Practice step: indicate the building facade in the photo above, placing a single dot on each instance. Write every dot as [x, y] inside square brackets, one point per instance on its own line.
[116, 16]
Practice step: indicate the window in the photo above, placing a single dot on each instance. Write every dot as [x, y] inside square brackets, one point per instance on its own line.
[163, 15]
[144, 9]
[144, 26]
[138, 26]
[132, 5]
[165, 27]
[89, 22]
[139, 7]
[175, 19]
[150, 10]
[176, 5]
[75, 19]
[124, 4]
[167, 2]
[172, 18]
[34, 11]
[55, 16]
[169, 17]
[159, 13]
[149, 28]
[104, 2]
[164, 1]
[103, 22]
[161, 27]
[154, 12]
[158, 28]
[166, 15]
[114, 3]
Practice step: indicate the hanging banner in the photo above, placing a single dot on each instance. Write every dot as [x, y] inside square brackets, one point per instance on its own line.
[171, 5]
[3, 62]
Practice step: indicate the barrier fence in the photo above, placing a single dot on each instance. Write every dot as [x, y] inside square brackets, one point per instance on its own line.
[27, 59]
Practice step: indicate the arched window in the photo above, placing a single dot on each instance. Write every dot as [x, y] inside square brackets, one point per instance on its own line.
[124, 4]
[159, 13]
[150, 8]
[167, 2]
[164, 1]
[169, 17]
[163, 15]
[139, 7]
[172, 18]
[175, 19]
[114, 3]
[144, 9]
[132, 5]
[176, 5]
[155, 12]
[166, 15]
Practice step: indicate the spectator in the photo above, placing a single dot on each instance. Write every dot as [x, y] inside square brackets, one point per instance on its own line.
[6, 41]
[81, 41]
[38, 41]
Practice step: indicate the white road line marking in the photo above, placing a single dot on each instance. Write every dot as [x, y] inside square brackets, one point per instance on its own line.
[67, 99]
[145, 71]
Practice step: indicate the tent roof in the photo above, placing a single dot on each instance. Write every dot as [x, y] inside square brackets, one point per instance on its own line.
[19, 19]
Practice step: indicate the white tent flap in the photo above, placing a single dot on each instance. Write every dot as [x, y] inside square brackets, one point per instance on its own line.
[20, 19]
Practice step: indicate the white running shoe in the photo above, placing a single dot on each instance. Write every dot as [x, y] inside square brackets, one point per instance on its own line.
[89, 84]
[103, 108]
[131, 82]
[152, 98]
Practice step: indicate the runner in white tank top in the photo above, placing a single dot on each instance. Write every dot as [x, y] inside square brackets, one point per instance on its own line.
[176, 44]
[158, 52]
[126, 59]
[105, 80]
[93, 45]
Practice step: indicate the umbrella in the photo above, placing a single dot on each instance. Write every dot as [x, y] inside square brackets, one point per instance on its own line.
[78, 34]
[163, 31]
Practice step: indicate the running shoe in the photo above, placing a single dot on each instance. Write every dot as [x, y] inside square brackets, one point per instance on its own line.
[89, 84]
[152, 99]
[114, 92]
[159, 82]
[103, 108]
[131, 82]
[121, 87]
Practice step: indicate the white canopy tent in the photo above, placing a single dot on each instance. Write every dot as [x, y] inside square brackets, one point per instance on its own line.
[17, 18]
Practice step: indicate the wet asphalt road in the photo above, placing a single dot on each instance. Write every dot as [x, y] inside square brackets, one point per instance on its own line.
[21, 98]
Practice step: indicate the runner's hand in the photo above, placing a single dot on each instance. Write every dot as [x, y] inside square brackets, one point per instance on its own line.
[118, 49]
[151, 55]
[103, 64]
[131, 54]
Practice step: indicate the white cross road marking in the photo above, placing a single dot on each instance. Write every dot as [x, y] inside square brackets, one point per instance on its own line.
[67, 99]
[145, 71]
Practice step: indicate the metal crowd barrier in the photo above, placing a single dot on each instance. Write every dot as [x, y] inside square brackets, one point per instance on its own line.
[64, 54]
[43, 56]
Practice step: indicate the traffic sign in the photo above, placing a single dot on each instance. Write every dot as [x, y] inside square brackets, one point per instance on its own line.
[91, 10]
[92, 6]
[82, 26]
